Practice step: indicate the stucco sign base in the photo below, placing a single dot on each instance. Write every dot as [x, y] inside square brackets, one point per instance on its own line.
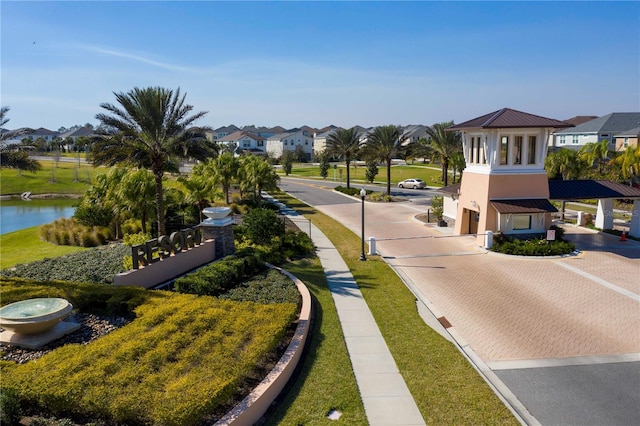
[35, 341]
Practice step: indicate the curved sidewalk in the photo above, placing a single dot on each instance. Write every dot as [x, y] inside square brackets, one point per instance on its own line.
[384, 394]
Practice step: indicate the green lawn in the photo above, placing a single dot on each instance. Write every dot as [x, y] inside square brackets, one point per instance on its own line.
[67, 178]
[25, 246]
[429, 173]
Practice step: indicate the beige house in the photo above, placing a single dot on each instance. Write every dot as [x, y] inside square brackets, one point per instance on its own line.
[626, 139]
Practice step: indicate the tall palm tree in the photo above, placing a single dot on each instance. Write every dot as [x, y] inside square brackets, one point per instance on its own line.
[445, 145]
[136, 191]
[384, 144]
[344, 143]
[149, 129]
[258, 175]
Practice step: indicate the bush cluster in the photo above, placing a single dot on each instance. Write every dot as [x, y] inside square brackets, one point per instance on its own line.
[380, 196]
[267, 287]
[70, 232]
[533, 247]
[169, 366]
[219, 277]
[355, 192]
[97, 265]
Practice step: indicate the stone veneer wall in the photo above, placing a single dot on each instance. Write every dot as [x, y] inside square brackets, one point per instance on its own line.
[223, 237]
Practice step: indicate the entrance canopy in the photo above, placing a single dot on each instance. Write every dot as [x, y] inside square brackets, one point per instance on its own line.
[589, 190]
[523, 206]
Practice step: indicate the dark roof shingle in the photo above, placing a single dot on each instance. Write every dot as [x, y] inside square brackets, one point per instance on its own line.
[509, 118]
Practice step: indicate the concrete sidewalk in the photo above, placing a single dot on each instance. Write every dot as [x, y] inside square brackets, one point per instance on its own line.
[385, 395]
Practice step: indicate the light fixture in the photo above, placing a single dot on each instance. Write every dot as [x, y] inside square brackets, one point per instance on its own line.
[363, 194]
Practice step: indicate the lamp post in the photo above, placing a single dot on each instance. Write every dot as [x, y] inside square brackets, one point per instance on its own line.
[363, 194]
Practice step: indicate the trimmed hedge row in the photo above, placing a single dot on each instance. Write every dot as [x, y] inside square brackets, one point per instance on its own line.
[221, 276]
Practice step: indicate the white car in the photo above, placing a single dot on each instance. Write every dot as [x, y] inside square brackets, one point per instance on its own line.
[412, 183]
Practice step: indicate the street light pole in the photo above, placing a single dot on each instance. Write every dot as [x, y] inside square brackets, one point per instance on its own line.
[363, 194]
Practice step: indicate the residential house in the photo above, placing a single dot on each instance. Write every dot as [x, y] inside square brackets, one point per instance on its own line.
[74, 134]
[626, 139]
[244, 141]
[413, 133]
[295, 141]
[596, 130]
[46, 134]
[221, 132]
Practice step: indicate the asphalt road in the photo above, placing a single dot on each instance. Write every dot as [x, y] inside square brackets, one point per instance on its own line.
[555, 392]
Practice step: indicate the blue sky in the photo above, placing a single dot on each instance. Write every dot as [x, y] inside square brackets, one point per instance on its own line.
[321, 63]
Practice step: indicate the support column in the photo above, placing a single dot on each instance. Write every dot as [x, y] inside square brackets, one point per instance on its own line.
[634, 225]
[604, 215]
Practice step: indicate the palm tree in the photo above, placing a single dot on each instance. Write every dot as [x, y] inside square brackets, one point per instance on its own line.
[136, 191]
[595, 152]
[564, 162]
[445, 145]
[13, 155]
[258, 175]
[224, 170]
[344, 143]
[200, 187]
[629, 162]
[384, 144]
[149, 129]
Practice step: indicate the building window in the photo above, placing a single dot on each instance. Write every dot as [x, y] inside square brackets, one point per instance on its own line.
[260, 143]
[504, 150]
[562, 140]
[472, 149]
[531, 157]
[521, 222]
[574, 139]
[517, 150]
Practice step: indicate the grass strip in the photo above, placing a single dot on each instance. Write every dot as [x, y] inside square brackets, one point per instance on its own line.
[325, 380]
[25, 246]
[446, 388]
[66, 178]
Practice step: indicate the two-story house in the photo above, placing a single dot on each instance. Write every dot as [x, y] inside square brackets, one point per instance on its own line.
[596, 130]
[295, 141]
[244, 141]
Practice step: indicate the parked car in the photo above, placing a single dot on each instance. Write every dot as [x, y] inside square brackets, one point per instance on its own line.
[412, 183]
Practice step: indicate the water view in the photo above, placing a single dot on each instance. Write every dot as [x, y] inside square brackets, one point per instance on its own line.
[20, 214]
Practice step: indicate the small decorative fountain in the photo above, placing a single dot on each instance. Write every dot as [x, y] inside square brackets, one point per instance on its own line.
[218, 226]
[33, 323]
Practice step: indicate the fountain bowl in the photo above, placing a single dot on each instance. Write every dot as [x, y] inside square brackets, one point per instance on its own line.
[216, 212]
[33, 316]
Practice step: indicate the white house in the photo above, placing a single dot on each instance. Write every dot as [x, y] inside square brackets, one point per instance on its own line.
[294, 141]
[596, 130]
[244, 141]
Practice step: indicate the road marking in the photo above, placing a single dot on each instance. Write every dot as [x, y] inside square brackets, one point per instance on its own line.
[563, 362]
[600, 281]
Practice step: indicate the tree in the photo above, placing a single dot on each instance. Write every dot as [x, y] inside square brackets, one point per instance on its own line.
[595, 152]
[565, 163]
[200, 187]
[14, 155]
[149, 130]
[384, 144]
[372, 171]
[445, 145]
[102, 204]
[136, 193]
[287, 162]
[345, 144]
[323, 160]
[258, 175]
[458, 164]
[629, 162]
[421, 149]
[224, 170]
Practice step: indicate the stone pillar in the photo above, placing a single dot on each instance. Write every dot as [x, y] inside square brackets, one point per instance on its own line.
[222, 236]
[219, 227]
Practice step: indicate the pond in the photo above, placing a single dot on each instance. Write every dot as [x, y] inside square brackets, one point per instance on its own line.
[20, 214]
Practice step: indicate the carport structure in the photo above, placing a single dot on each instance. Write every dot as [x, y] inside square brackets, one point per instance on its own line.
[605, 192]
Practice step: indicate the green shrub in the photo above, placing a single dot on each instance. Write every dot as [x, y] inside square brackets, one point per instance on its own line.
[379, 196]
[221, 276]
[261, 225]
[266, 288]
[10, 410]
[97, 265]
[533, 247]
[349, 191]
[68, 232]
[169, 366]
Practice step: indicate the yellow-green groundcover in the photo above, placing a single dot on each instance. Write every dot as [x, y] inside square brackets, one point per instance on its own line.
[180, 358]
